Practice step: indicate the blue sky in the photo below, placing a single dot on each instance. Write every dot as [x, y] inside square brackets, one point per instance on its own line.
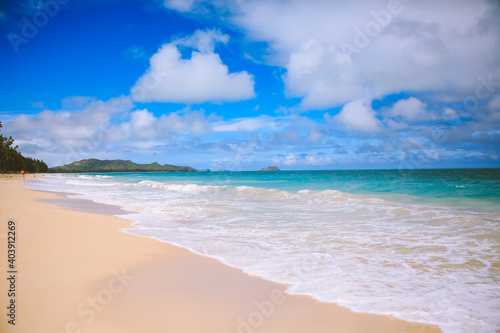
[245, 84]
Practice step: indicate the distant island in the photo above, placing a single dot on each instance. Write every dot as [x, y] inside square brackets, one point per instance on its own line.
[270, 168]
[95, 165]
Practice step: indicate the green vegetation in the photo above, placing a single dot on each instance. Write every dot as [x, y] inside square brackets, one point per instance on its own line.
[270, 168]
[94, 165]
[12, 161]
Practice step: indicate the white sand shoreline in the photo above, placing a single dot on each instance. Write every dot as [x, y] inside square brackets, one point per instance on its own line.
[70, 257]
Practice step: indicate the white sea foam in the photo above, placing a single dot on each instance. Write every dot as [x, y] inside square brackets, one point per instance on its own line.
[421, 263]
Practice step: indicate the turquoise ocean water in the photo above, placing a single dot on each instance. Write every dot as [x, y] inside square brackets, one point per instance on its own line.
[422, 245]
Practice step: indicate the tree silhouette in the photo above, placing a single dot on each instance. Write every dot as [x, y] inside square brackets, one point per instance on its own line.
[12, 161]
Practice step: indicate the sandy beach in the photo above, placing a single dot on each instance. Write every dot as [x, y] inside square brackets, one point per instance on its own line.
[77, 272]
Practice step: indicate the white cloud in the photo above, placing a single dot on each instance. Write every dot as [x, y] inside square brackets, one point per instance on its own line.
[102, 129]
[140, 126]
[65, 128]
[203, 40]
[339, 51]
[290, 129]
[410, 144]
[302, 159]
[143, 125]
[394, 125]
[449, 114]
[249, 124]
[61, 137]
[358, 116]
[411, 109]
[432, 154]
[318, 160]
[314, 73]
[180, 5]
[202, 78]
[495, 102]
[245, 124]
[290, 159]
[315, 135]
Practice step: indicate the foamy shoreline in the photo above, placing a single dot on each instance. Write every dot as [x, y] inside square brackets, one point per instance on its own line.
[361, 252]
[76, 272]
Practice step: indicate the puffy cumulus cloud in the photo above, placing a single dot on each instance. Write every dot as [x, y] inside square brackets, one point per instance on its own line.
[289, 159]
[339, 51]
[58, 136]
[66, 128]
[358, 116]
[114, 129]
[202, 78]
[313, 75]
[107, 129]
[449, 114]
[411, 109]
[144, 125]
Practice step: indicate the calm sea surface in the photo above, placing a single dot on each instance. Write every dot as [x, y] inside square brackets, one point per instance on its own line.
[422, 245]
